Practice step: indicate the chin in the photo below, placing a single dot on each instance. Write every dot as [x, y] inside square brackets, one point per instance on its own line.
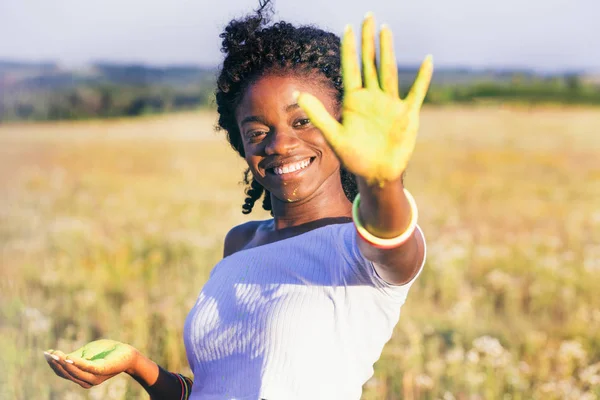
[292, 195]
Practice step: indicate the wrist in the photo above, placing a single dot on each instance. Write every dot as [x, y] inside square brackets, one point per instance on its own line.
[386, 243]
[142, 369]
[384, 209]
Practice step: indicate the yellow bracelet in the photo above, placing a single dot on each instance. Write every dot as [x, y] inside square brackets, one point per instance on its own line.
[391, 242]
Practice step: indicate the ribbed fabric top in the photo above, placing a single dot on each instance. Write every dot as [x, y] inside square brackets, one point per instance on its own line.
[301, 318]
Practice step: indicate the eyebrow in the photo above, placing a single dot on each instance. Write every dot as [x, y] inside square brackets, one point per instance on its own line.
[292, 107]
[252, 118]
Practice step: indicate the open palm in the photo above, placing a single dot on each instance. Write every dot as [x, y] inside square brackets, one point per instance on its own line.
[378, 131]
[93, 363]
[104, 357]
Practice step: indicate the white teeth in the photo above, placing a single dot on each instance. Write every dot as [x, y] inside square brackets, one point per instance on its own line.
[291, 167]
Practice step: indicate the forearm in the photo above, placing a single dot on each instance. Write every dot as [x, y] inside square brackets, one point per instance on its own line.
[385, 212]
[159, 383]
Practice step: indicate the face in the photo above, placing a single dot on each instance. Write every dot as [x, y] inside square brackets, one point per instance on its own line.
[287, 154]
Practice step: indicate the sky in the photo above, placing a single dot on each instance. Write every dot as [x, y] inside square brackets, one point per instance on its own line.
[546, 35]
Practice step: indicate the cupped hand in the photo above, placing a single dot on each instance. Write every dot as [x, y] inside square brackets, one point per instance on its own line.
[378, 131]
[93, 363]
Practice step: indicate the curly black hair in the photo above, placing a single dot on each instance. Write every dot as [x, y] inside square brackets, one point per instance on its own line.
[253, 47]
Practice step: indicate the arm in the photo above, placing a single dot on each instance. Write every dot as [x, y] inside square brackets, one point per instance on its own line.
[385, 212]
[375, 142]
[159, 383]
[100, 360]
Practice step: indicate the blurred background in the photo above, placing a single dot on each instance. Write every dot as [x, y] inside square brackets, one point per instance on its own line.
[116, 191]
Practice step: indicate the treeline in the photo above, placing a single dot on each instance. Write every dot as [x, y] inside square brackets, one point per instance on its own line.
[125, 94]
[104, 101]
[569, 89]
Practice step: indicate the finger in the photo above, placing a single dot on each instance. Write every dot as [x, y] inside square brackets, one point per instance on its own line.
[60, 370]
[388, 67]
[417, 93]
[320, 117]
[368, 52]
[350, 68]
[87, 377]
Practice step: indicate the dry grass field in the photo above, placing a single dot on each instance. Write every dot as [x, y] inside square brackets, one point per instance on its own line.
[110, 229]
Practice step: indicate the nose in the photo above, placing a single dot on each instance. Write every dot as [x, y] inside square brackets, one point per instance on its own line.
[282, 142]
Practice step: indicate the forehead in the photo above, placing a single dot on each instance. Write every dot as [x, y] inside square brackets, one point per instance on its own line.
[274, 92]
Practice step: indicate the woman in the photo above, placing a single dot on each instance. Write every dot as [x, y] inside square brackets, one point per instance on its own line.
[302, 304]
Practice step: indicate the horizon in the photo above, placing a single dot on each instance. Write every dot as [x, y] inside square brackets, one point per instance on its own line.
[404, 66]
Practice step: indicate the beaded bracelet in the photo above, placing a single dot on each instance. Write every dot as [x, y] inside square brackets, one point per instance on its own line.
[390, 243]
[186, 386]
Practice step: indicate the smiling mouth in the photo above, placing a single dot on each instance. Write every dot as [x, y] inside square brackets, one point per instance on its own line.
[290, 168]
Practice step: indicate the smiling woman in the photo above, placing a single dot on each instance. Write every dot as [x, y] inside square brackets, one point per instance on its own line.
[301, 304]
[285, 152]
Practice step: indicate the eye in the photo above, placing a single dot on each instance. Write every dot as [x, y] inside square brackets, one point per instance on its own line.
[301, 122]
[254, 135]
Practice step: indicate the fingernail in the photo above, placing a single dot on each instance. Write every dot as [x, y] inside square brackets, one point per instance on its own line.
[369, 14]
[295, 94]
[384, 26]
[69, 361]
[348, 28]
[55, 357]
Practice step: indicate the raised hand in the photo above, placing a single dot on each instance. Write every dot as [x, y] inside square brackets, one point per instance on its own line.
[93, 363]
[378, 131]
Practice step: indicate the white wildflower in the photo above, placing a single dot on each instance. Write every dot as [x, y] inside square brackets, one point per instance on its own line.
[35, 322]
[548, 387]
[499, 280]
[591, 258]
[474, 378]
[86, 298]
[472, 356]
[423, 381]
[462, 309]
[568, 389]
[448, 396]
[571, 350]
[435, 367]
[524, 368]
[590, 375]
[489, 346]
[595, 217]
[550, 262]
[456, 355]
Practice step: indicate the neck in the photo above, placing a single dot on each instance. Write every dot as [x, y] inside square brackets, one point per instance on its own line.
[329, 201]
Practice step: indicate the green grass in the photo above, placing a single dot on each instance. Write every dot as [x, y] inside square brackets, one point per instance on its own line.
[110, 228]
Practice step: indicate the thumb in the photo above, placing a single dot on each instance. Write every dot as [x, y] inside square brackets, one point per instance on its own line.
[320, 117]
[417, 93]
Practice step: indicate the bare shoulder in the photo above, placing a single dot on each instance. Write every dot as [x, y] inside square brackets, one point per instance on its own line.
[239, 236]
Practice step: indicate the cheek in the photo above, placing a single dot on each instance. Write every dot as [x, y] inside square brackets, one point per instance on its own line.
[252, 163]
[322, 143]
